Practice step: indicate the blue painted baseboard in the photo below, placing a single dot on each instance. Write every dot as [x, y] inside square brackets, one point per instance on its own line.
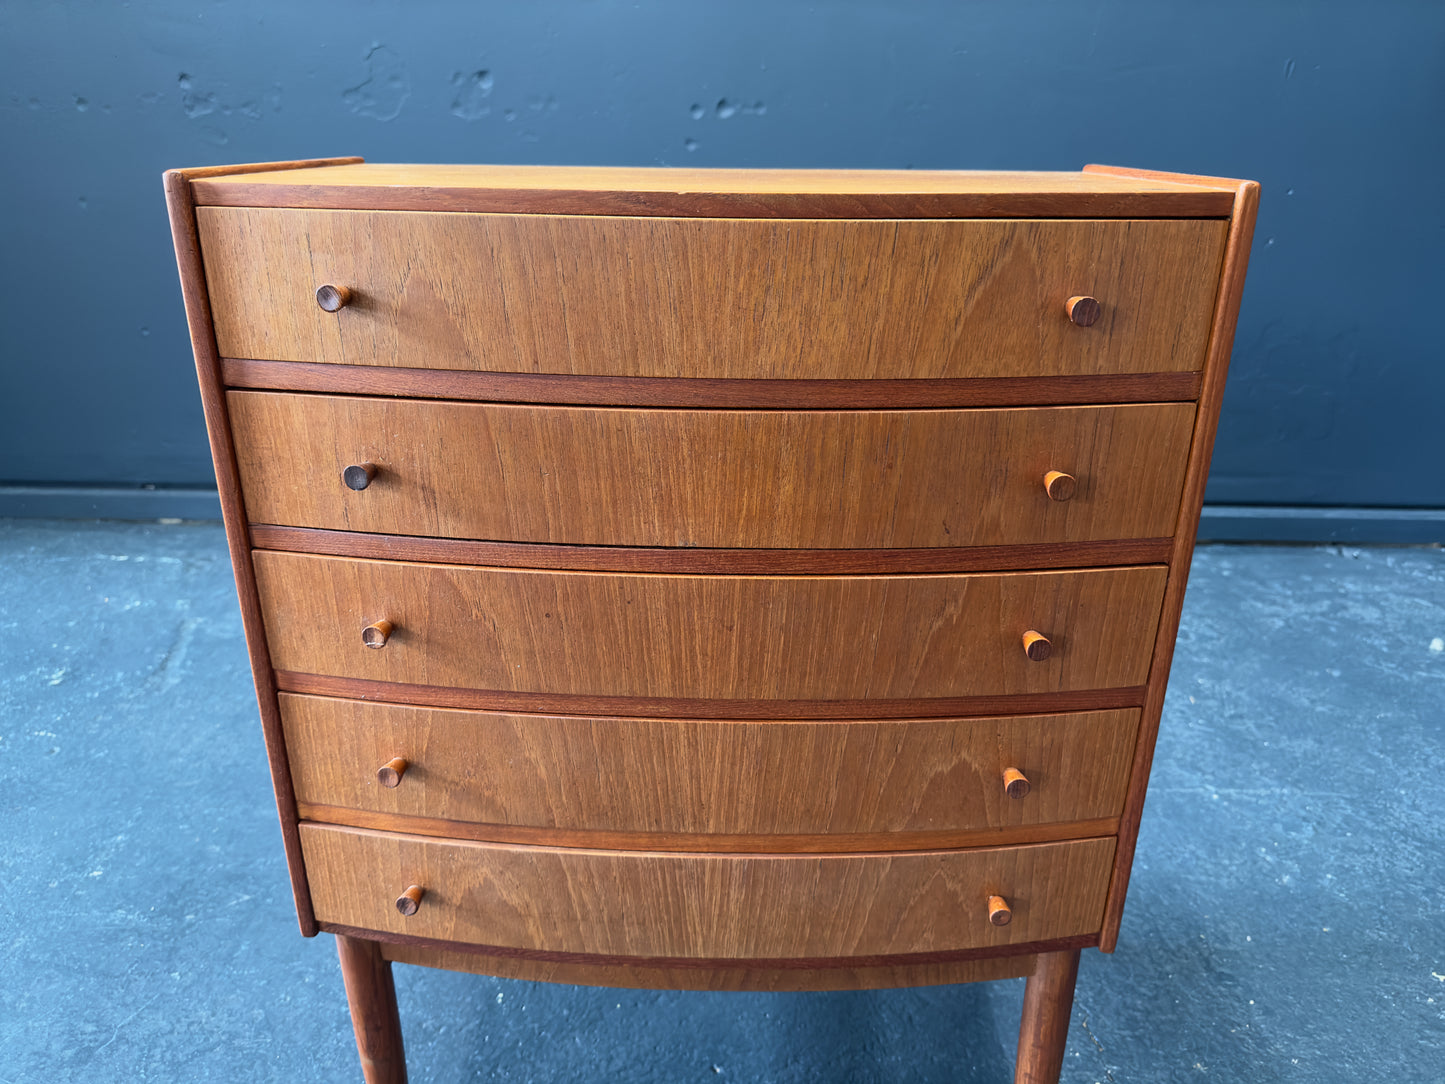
[1219, 522]
[1359, 526]
[108, 502]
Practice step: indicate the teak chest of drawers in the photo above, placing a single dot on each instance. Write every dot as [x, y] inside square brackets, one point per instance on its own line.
[710, 579]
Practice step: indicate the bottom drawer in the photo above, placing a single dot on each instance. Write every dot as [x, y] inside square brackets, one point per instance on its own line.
[701, 906]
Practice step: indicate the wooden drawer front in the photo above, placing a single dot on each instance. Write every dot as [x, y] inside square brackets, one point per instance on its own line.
[705, 906]
[727, 637]
[711, 297]
[763, 479]
[705, 777]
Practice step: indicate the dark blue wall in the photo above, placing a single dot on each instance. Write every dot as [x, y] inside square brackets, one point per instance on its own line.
[1337, 108]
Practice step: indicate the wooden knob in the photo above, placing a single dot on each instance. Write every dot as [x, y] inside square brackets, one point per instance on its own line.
[359, 475]
[1037, 646]
[998, 912]
[1082, 310]
[1058, 485]
[375, 634]
[333, 298]
[410, 900]
[1015, 783]
[390, 773]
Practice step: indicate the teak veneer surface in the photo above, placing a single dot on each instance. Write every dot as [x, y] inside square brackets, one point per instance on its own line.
[661, 707]
[181, 210]
[1221, 340]
[674, 714]
[721, 907]
[792, 843]
[752, 977]
[1044, 1029]
[704, 777]
[688, 478]
[727, 298]
[761, 193]
[642, 391]
[743, 637]
[371, 993]
[712, 561]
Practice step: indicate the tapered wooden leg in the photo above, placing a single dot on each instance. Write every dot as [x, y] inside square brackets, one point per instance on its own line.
[1048, 1001]
[372, 997]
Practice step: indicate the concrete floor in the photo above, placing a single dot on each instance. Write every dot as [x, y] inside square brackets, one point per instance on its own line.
[1285, 919]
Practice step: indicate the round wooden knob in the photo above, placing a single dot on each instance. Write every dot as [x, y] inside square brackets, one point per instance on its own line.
[1058, 485]
[1015, 783]
[359, 475]
[1082, 310]
[410, 900]
[390, 773]
[333, 298]
[1037, 646]
[998, 911]
[375, 634]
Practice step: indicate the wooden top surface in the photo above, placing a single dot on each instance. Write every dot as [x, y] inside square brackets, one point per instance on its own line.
[722, 192]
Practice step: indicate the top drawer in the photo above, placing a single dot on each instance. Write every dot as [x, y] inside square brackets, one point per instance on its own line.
[721, 298]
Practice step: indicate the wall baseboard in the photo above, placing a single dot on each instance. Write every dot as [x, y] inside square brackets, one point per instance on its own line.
[1218, 523]
[1358, 526]
[108, 502]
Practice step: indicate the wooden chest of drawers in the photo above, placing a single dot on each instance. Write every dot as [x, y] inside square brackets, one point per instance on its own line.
[722, 580]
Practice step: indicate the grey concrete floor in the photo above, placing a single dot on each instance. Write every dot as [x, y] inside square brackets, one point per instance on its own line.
[1285, 918]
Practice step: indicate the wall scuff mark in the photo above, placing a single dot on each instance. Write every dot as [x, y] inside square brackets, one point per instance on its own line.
[473, 90]
[384, 90]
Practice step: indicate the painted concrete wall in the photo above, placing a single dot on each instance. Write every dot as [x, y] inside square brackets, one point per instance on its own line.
[1337, 108]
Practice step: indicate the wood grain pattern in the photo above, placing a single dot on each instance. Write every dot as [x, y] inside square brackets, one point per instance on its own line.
[751, 977]
[376, 634]
[661, 707]
[1083, 311]
[708, 777]
[608, 634]
[563, 389]
[808, 963]
[333, 298]
[707, 906]
[392, 772]
[181, 211]
[1221, 341]
[705, 678]
[650, 297]
[690, 478]
[588, 839]
[410, 900]
[1037, 646]
[1058, 485]
[199, 175]
[371, 995]
[1015, 784]
[753, 193]
[999, 912]
[707, 561]
[1044, 1029]
[1130, 175]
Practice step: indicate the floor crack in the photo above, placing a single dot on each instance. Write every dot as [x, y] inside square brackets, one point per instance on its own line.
[1084, 1023]
[116, 1034]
